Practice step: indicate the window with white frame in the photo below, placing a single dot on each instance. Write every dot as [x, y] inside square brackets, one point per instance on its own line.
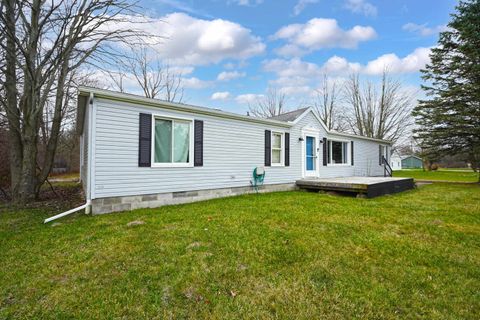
[172, 142]
[277, 148]
[337, 152]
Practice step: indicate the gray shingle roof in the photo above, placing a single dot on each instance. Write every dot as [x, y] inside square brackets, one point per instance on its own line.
[289, 116]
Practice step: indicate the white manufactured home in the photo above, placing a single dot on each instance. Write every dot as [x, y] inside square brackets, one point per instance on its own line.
[138, 152]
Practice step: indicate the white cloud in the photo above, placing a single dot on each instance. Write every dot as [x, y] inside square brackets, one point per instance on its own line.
[362, 7]
[423, 30]
[186, 40]
[195, 83]
[177, 5]
[301, 5]
[230, 75]
[224, 95]
[291, 68]
[300, 71]
[229, 66]
[340, 65]
[290, 50]
[181, 70]
[295, 90]
[408, 64]
[246, 2]
[248, 98]
[298, 77]
[322, 33]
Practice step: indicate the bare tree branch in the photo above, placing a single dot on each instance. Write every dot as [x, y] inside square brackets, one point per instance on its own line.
[156, 80]
[269, 105]
[327, 105]
[382, 113]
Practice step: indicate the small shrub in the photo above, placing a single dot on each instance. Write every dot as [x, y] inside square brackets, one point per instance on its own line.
[434, 167]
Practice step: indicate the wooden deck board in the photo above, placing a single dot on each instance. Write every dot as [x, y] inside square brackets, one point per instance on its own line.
[370, 186]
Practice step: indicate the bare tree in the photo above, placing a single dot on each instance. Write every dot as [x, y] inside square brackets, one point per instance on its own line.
[327, 104]
[269, 105]
[155, 79]
[149, 76]
[45, 41]
[382, 112]
[173, 85]
[117, 78]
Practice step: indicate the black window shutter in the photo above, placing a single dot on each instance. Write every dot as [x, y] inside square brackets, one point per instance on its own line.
[287, 149]
[325, 152]
[352, 153]
[380, 154]
[145, 140]
[198, 143]
[268, 148]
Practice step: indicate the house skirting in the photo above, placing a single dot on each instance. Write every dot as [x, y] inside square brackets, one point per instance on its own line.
[126, 203]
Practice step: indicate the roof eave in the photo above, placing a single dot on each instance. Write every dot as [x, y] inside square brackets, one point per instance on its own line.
[130, 98]
[360, 137]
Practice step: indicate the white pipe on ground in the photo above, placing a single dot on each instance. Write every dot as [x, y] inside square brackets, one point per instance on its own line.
[66, 213]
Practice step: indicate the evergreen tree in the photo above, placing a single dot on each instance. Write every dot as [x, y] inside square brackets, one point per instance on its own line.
[449, 119]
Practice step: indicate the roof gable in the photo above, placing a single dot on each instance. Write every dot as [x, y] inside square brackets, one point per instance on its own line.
[289, 116]
[306, 111]
[411, 156]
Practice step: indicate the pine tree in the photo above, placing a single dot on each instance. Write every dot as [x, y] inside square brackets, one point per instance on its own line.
[449, 119]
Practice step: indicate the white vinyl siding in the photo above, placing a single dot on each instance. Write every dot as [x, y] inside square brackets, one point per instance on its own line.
[231, 150]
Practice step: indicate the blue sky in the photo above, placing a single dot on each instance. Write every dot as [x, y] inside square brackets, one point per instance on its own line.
[231, 51]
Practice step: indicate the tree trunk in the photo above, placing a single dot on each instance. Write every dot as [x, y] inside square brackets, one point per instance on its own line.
[28, 178]
[11, 106]
[55, 130]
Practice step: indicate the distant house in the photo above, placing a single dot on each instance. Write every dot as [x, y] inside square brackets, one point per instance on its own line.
[396, 161]
[138, 152]
[412, 162]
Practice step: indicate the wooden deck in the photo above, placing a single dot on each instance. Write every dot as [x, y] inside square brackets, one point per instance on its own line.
[368, 186]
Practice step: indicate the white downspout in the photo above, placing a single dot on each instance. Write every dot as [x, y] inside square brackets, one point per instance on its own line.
[66, 213]
[87, 205]
[90, 155]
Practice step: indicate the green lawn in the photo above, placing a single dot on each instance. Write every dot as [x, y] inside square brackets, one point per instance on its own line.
[291, 255]
[454, 175]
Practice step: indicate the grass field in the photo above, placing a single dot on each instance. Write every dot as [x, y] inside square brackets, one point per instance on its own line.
[454, 175]
[291, 255]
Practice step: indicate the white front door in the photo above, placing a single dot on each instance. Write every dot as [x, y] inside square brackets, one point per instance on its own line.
[310, 155]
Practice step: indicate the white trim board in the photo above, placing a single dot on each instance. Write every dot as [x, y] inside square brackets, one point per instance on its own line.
[311, 132]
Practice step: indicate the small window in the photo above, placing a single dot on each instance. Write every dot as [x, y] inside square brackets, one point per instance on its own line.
[338, 152]
[172, 142]
[277, 148]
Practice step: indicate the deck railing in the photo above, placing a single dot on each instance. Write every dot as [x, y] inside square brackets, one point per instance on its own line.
[387, 170]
